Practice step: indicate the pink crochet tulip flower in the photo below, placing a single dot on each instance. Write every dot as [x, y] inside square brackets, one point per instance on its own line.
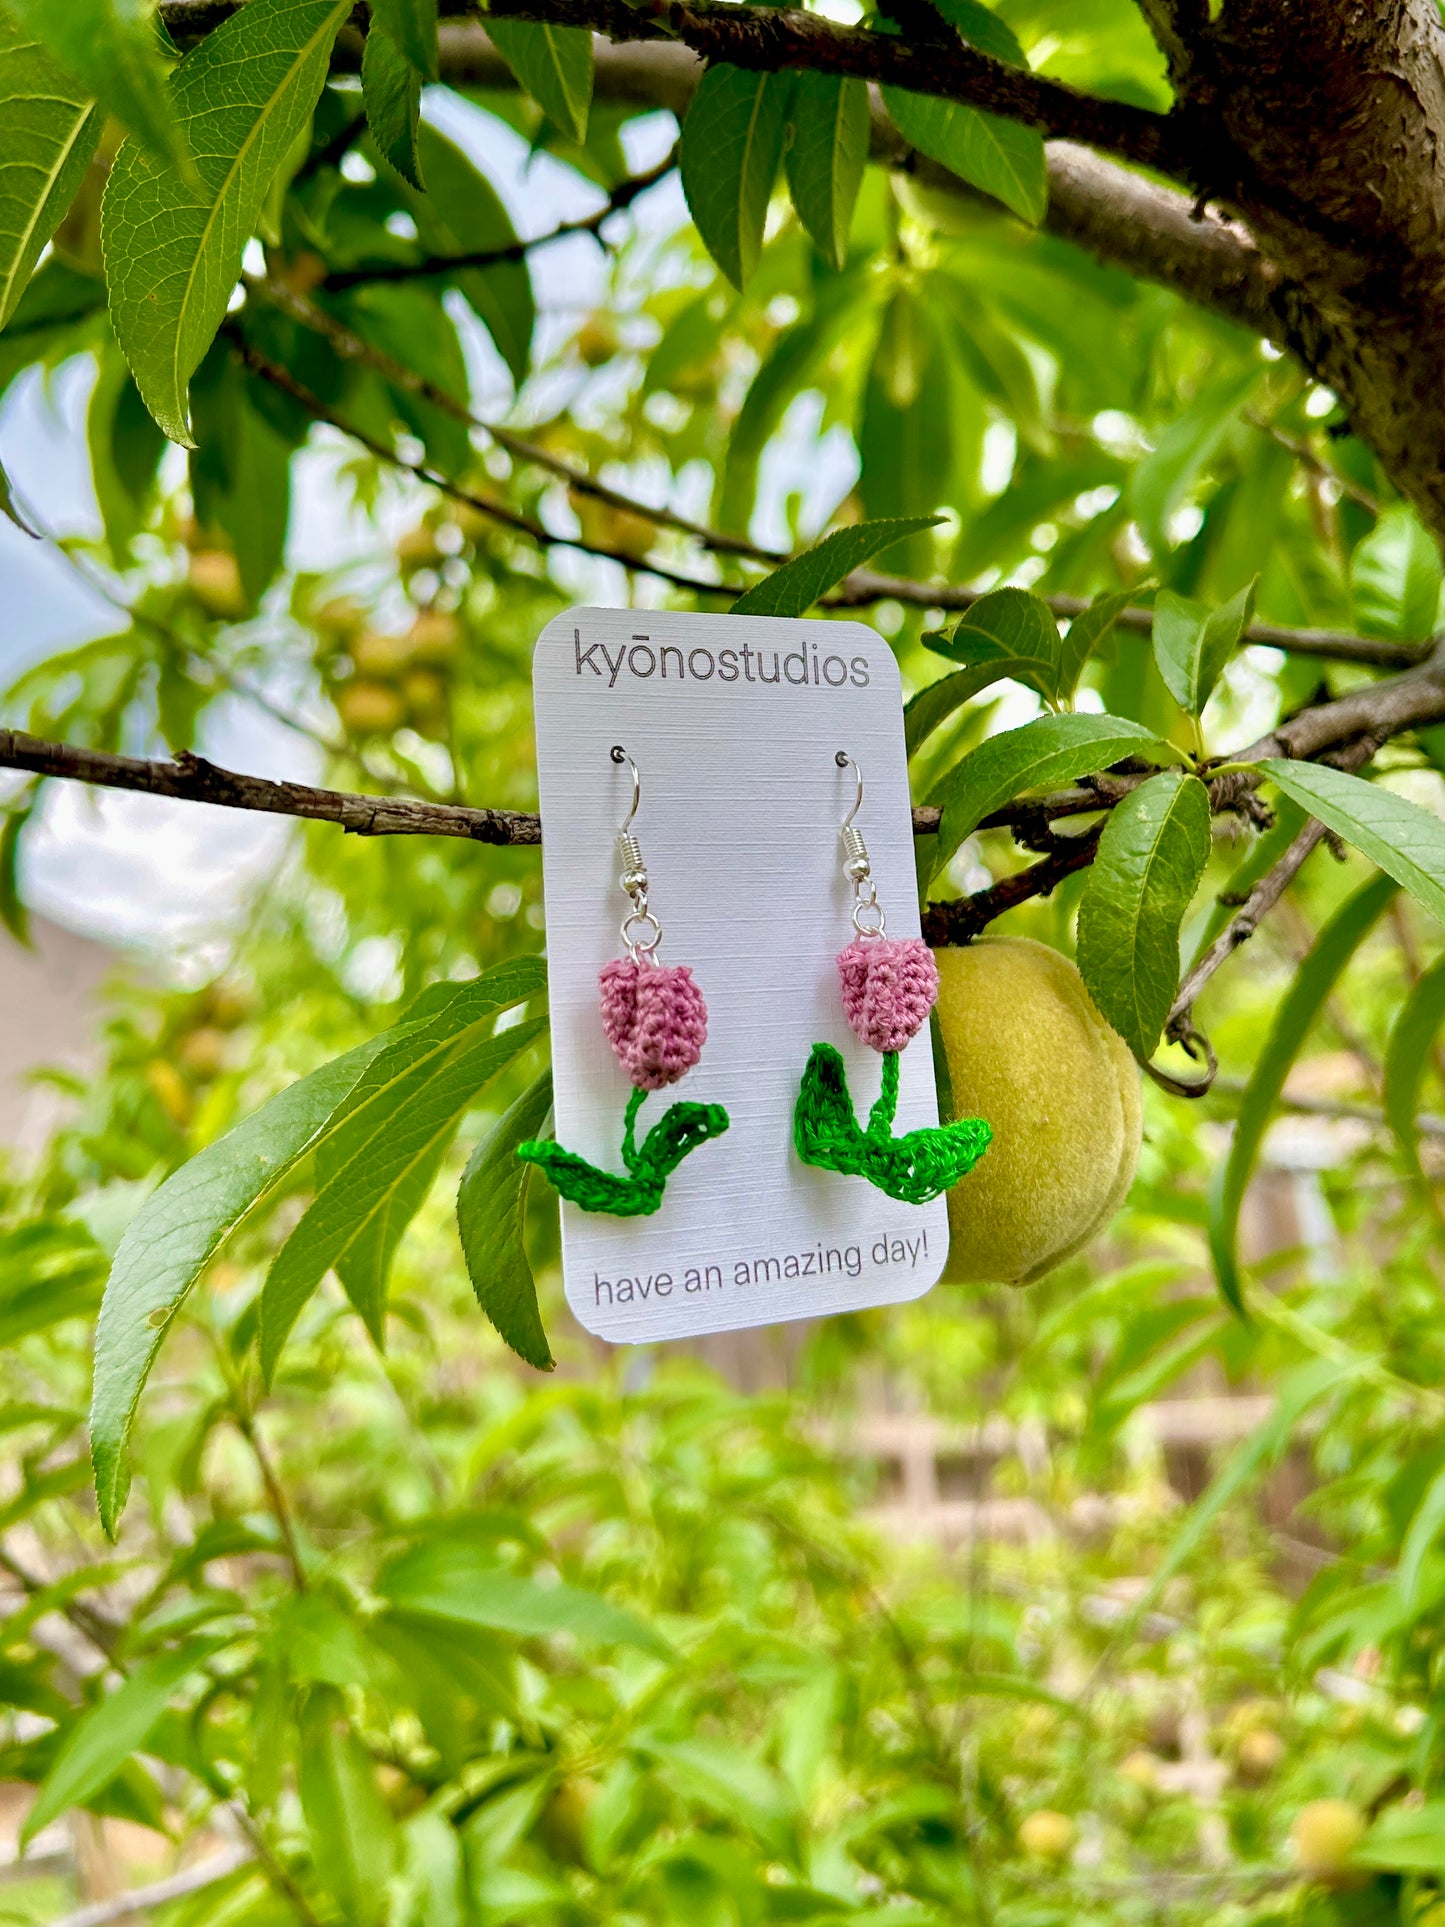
[655, 1020]
[889, 986]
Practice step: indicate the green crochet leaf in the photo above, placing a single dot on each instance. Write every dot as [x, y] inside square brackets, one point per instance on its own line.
[914, 1168]
[680, 1130]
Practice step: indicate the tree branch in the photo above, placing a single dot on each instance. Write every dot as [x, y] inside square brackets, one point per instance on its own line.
[862, 587]
[140, 1900]
[963, 918]
[438, 265]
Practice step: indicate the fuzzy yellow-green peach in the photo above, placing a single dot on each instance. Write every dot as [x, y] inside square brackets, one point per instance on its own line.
[1046, 1835]
[1027, 1050]
[1324, 1835]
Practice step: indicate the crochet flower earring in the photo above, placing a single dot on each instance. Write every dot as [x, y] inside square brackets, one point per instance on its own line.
[654, 1017]
[889, 985]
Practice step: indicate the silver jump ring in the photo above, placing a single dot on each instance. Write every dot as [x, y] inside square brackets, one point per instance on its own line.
[640, 946]
[861, 909]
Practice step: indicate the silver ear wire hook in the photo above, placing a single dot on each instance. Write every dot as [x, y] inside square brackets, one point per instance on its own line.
[868, 918]
[633, 876]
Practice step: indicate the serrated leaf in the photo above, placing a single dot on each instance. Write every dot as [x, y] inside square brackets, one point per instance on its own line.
[825, 161]
[456, 1580]
[411, 25]
[1150, 859]
[1408, 1055]
[491, 1212]
[48, 132]
[1055, 749]
[1192, 642]
[1013, 629]
[793, 589]
[1000, 157]
[391, 93]
[461, 214]
[1088, 631]
[352, 1831]
[553, 65]
[242, 97]
[101, 1741]
[1312, 983]
[181, 1226]
[111, 50]
[1395, 575]
[732, 142]
[174, 1235]
[374, 1171]
[1407, 843]
[936, 702]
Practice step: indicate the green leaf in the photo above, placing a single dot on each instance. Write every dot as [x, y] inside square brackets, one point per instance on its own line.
[1302, 1003]
[1088, 631]
[1160, 483]
[825, 161]
[1424, 1529]
[793, 589]
[125, 452]
[352, 1832]
[1407, 843]
[1055, 749]
[553, 65]
[13, 913]
[936, 702]
[380, 1157]
[1012, 630]
[48, 132]
[243, 96]
[411, 25]
[1151, 856]
[1192, 643]
[391, 92]
[491, 1212]
[455, 1580]
[1408, 1056]
[732, 142]
[907, 439]
[1301, 1390]
[1405, 1840]
[102, 1740]
[10, 510]
[110, 48]
[461, 214]
[172, 1238]
[1000, 157]
[1395, 576]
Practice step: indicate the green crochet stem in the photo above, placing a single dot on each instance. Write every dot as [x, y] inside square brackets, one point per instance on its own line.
[915, 1167]
[679, 1130]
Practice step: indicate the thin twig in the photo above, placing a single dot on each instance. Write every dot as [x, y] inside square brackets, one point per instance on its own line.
[860, 589]
[354, 347]
[963, 918]
[194, 1880]
[275, 1494]
[489, 505]
[435, 266]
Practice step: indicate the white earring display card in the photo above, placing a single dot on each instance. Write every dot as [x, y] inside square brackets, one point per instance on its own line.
[734, 724]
